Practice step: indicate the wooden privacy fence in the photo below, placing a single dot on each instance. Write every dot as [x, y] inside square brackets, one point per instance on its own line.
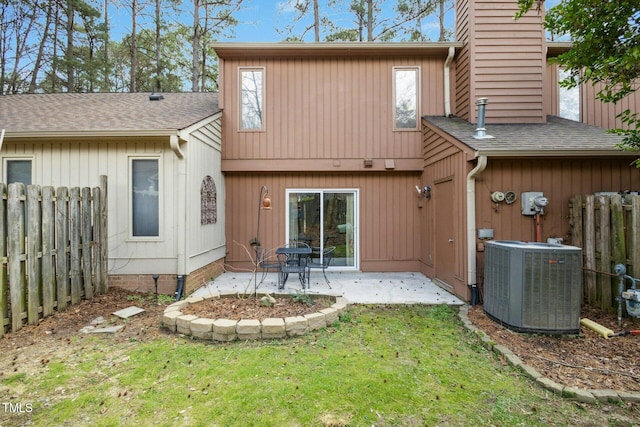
[607, 228]
[53, 245]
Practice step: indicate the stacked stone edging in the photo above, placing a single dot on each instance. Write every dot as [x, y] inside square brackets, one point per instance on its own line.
[579, 394]
[248, 329]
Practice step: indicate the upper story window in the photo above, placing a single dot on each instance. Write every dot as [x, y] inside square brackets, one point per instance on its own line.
[406, 98]
[145, 197]
[18, 170]
[251, 98]
[568, 99]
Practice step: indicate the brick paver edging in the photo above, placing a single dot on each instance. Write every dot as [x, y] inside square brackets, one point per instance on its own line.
[248, 329]
[579, 394]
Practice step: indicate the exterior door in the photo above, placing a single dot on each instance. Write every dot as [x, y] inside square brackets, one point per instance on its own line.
[324, 218]
[445, 238]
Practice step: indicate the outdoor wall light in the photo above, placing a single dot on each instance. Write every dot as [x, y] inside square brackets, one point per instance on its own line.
[424, 191]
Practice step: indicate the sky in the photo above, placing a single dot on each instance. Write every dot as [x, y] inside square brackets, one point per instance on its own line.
[258, 19]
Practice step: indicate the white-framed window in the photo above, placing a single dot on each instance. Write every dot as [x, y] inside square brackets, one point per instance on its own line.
[568, 99]
[251, 98]
[325, 218]
[18, 170]
[406, 98]
[145, 186]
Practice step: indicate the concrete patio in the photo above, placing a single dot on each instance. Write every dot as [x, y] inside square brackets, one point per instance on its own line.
[356, 287]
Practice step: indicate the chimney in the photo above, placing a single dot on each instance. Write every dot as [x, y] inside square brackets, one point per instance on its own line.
[481, 132]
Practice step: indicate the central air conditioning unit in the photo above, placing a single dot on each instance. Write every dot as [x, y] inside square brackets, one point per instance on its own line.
[533, 287]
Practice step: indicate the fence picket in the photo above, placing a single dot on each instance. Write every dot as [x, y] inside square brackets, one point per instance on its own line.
[589, 249]
[34, 243]
[48, 244]
[75, 269]
[15, 241]
[85, 237]
[62, 244]
[4, 289]
[95, 238]
[603, 283]
[104, 251]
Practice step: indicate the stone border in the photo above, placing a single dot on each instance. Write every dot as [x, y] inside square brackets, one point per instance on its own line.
[579, 394]
[248, 329]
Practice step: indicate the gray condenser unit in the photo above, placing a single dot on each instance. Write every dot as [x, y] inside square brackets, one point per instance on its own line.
[533, 287]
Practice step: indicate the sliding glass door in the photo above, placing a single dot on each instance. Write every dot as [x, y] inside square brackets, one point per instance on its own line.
[325, 218]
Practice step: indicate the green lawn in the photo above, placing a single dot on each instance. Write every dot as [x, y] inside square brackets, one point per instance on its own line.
[382, 366]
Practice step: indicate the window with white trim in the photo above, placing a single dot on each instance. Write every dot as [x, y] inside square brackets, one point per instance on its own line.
[145, 197]
[406, 98]
[568, 98]
[251, 98]
[18, 170]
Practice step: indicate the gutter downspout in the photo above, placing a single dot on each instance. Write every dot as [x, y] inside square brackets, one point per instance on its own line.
[471, 218]
[181, 209]
[447, 82]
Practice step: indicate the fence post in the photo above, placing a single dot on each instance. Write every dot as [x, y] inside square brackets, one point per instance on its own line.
[34, 243]
[4, 289]
[15, 225]
[48, 243]
[62, 241]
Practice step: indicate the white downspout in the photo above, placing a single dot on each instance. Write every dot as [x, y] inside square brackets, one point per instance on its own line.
[471, 218]
[181, 210]
[447, 83]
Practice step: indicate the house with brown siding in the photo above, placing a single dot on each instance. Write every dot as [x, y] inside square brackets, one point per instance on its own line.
[331, 131]
[380, 150]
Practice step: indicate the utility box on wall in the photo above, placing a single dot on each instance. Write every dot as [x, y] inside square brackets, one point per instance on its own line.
[533, 202]
[533, 287]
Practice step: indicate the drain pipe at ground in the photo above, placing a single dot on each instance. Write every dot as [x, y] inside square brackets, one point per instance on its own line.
[471, 218]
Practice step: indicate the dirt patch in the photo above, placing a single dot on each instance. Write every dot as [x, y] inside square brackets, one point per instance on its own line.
[586, 361]
[250, 308]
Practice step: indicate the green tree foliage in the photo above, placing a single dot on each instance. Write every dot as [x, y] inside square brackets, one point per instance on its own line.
[606, 50]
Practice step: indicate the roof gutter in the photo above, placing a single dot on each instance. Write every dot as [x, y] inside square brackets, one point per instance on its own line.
[117, 133]
[471, 218]
[555, 153]
[447, 82]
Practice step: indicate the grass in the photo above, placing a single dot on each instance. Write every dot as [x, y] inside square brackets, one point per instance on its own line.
[383, 366]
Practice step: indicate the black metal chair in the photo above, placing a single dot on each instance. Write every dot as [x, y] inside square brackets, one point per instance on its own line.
[327, 255]
[264, 262]
[293, 262]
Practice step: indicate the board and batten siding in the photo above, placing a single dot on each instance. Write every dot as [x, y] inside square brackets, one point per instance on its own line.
[558, 179]
[506, 62]
[389, 216]
[80, 163]
[592, 111]
[328, 108]
[206, 242]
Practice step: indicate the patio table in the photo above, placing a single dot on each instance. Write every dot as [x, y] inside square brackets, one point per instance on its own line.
[293, 260]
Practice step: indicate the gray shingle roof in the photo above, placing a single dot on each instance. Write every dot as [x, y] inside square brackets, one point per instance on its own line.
[78, 112]
[551, 138]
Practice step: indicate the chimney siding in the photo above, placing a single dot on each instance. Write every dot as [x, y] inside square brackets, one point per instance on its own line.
[503, 59]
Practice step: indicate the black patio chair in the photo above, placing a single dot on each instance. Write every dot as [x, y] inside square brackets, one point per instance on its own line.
[293, 263]
[327, 255]
[265, 263]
